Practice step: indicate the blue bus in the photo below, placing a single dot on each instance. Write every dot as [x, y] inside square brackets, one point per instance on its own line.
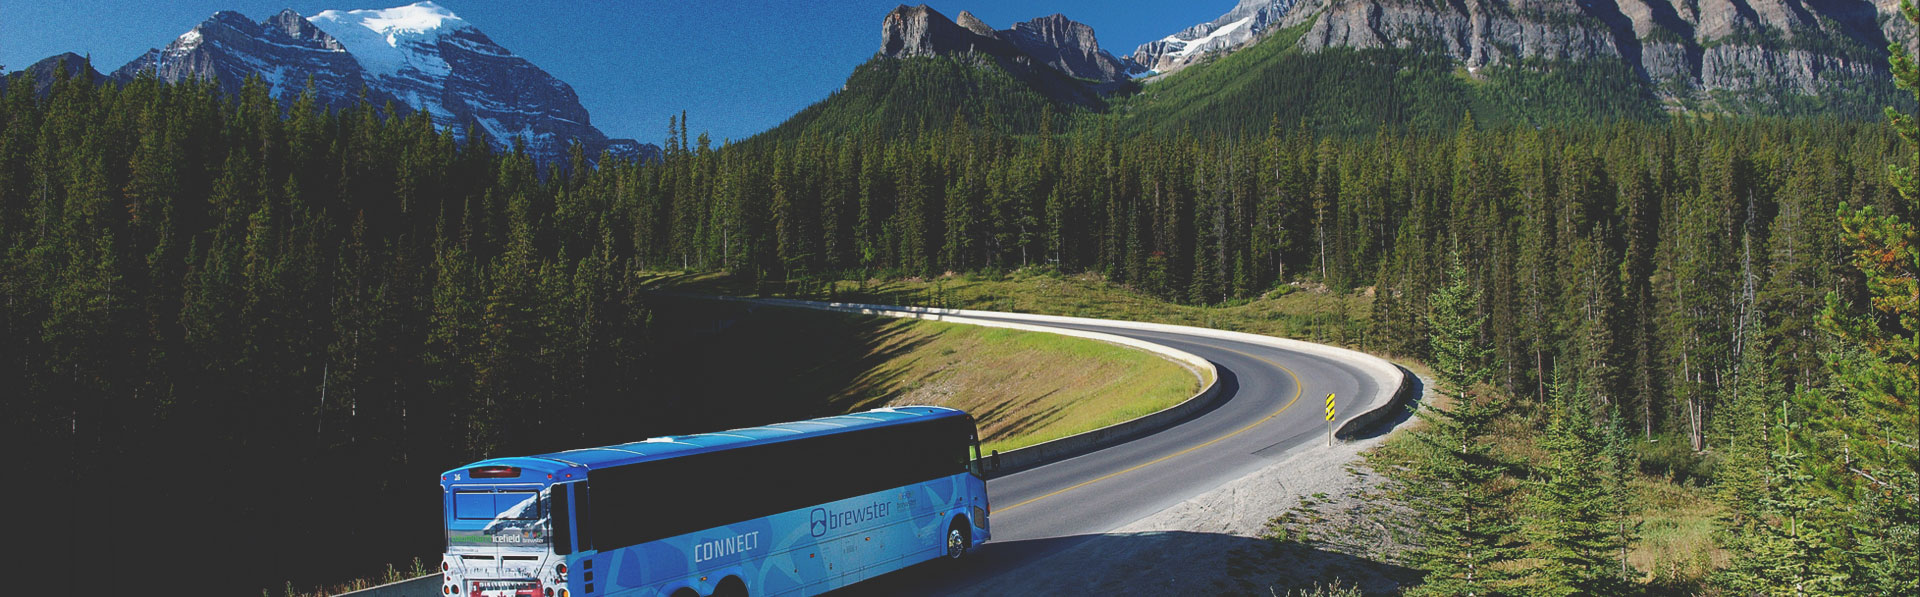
[789, 509]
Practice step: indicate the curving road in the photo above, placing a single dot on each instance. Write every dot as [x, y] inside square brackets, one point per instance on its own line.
[1273, 403]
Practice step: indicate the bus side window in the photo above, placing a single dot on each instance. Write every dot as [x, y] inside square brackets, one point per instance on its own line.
[974, 464]
[582, 517]
[560, 523]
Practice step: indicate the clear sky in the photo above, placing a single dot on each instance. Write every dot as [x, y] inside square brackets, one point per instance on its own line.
[736, 68]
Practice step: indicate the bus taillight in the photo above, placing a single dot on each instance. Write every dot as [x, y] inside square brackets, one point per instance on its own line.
[494, 472]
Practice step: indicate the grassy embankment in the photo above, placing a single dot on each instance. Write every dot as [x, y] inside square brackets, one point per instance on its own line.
[1022, 387]
[1675, 551]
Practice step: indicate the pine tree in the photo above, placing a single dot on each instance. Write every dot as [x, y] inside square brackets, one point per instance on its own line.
[1572, 520]
[1451, 477]
[1787, 547]
[1877, 373]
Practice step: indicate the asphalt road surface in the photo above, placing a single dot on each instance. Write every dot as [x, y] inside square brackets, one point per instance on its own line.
[1273, 402]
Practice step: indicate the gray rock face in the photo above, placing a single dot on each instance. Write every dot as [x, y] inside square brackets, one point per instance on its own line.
[922, 31]
[421, 57]
[1764, 47]
[297, 27]
[974, 24]
[284, 51]
[1476, 36]
[1055, 41]
[1068, 46]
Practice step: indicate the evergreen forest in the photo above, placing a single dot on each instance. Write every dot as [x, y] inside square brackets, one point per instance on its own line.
[261, 329]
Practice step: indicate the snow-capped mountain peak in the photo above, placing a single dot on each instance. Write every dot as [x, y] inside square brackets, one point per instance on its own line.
[389, 41]
[420, 56]
[419, 17]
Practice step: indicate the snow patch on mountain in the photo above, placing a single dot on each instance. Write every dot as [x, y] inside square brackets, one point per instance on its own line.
[1245, 23]
[390, 41]
[1211, 41]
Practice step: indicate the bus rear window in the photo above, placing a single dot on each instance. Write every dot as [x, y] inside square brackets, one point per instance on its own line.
[513, 505]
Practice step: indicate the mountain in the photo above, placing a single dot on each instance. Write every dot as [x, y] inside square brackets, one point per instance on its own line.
[1244, 23]
[285, 51]
[436, 62]
[930, 68]
[1735, 55]
[1054, 41]
[420, 57]
[1738, 56]
[1068, 46]
[42, 72]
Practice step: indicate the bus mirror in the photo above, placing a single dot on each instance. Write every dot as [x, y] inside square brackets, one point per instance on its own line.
[994, 462]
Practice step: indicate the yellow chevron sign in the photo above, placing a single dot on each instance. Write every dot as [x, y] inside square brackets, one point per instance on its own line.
[1329, 407]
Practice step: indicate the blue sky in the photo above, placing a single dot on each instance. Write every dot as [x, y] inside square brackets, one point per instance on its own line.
[736, 68]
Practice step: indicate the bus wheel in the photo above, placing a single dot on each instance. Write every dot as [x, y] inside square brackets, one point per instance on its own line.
[958, 539]
[685, 593]
[731, 587]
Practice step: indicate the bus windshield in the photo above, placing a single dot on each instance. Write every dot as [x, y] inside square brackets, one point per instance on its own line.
[497, 519]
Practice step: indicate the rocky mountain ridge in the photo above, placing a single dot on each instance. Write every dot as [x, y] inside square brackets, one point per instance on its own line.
[284, 51]
[420, 57]
[1760, 52]
[1054, 41]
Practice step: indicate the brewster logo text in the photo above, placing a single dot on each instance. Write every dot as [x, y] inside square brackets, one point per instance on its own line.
[719, 548]
[823, 521]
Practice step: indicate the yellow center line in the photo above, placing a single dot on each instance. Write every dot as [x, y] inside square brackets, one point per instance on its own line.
[1269, 417]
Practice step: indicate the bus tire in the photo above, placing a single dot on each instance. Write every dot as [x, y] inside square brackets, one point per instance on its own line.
[959, 539]
[732, 586]
[685, 592]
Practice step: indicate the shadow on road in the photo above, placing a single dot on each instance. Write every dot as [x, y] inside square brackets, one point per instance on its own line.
[1152, 563]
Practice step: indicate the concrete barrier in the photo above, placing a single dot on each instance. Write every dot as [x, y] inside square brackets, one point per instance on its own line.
[1395, 405]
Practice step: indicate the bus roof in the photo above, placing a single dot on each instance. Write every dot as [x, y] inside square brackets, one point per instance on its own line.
[676, 445]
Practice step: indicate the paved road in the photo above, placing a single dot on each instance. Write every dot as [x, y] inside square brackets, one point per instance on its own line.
[1273, 403]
